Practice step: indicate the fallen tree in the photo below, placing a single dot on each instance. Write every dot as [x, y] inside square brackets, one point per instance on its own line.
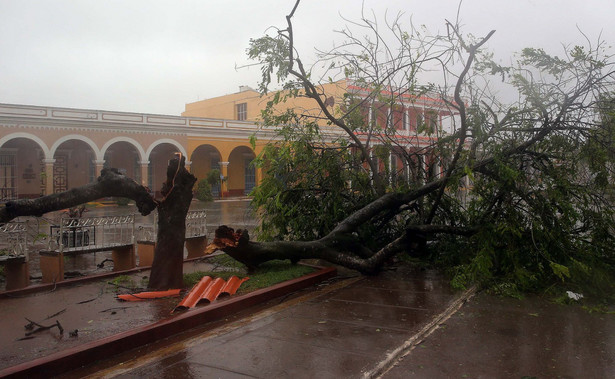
[524, 197]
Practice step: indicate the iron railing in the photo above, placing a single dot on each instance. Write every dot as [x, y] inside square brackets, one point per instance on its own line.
[14, 239]
[92, 233]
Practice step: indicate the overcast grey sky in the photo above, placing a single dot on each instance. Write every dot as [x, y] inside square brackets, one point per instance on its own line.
[153, 56]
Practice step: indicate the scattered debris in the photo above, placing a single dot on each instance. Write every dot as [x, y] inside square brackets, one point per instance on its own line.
[99, 295]
[574, 295]
[41, 328]
[148, 295]
[113, 309]
[73, 333]
[102, 264]
[56, 314]
[25, 338]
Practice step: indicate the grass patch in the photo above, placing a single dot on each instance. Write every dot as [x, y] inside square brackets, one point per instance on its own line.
[123, 281]
[194, 277]
[274, 272]
[265, 275]
[226, 261]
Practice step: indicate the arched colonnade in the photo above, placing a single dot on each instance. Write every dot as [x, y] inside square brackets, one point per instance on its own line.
[35, 164]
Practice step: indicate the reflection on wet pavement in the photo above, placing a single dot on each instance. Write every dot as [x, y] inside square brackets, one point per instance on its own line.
[338, 333]
[508, 338]
[90, 308]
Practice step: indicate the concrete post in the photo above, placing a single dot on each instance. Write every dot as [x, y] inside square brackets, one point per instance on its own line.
[123, 258]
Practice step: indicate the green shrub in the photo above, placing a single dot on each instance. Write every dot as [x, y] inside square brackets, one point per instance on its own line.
[203, 191]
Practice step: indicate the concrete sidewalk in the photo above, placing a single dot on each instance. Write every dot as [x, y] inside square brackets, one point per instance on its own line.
[396, 325]
[348, 329]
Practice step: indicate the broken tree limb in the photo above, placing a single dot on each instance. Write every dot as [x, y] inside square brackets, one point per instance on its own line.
[336, 248]
[168, 264]
[253, 254]
[110, 183]
[43, 328]
[56, 314]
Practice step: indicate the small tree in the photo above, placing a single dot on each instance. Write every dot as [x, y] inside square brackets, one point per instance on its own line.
[203, 191]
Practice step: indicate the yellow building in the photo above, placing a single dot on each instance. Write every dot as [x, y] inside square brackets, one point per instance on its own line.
[408, 118]
[246, 105]
[45, 150]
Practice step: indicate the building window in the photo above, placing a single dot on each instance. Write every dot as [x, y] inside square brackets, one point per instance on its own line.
[250, 175]
[419, 121]
[8, 176]
[405, 121]
[242, 111]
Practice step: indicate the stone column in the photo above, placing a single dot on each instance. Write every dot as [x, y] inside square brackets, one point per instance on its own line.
[224, 173]
[49, 175]
[144, 176]
[99, 166]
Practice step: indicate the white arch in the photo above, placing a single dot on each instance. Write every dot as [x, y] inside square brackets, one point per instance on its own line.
[76, 137]
[29, 136]
[131, 141]
[166, 140]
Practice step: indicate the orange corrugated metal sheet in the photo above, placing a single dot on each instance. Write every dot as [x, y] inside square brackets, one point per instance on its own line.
[148, 295]
[195, 293]
[231, 286]
[213, 290]
[208, 289]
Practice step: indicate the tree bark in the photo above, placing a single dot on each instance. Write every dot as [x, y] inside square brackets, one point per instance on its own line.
[167, 268]
[330, 248]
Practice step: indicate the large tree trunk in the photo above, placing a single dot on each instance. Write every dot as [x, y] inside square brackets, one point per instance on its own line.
[167, 268]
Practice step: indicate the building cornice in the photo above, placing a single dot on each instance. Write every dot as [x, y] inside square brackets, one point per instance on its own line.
[39, 117]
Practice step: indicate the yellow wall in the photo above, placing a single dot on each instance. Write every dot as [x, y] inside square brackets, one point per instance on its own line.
[224, 106]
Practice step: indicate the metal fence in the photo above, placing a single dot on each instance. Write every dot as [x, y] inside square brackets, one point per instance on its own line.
[92, 233]
[14, 238]
[196, 223]
[196, 226]
[72, 234]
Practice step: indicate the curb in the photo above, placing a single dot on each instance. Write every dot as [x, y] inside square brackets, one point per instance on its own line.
[77, 357]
